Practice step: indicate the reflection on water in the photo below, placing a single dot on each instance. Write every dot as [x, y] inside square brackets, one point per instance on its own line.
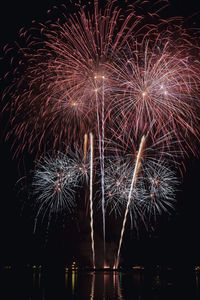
[138, 284]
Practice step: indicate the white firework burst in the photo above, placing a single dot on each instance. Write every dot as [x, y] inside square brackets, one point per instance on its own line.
[153, 194]
[160, 184]
[55, 181]
[118, 175]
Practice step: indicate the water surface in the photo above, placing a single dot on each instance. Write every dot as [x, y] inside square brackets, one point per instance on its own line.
[148, 283]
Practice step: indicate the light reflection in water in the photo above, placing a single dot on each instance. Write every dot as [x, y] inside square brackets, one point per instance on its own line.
[97, 285]
[73, 282]
[66, 279]
[119, 289]
[92, 287]
[197, 281]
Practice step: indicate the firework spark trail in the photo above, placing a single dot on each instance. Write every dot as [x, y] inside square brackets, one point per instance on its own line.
[91, 199]
[101, 142]
[98, 118]
[85, 147]
[102, 164]
[133, 183]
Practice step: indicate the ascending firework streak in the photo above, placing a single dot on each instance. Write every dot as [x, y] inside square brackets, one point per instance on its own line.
[101, 137]
[91, 202]
[102, 163]
[133, 183]
[85, 147]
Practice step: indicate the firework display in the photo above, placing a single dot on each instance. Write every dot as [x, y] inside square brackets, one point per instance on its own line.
[111, 93]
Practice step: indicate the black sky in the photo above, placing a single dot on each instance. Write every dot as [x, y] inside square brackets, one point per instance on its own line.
[175, 240]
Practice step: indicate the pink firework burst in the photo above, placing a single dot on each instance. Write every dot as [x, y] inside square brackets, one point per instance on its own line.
[156, 89]
[63, 63]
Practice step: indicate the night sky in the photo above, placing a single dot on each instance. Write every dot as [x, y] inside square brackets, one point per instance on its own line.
[175, 238]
